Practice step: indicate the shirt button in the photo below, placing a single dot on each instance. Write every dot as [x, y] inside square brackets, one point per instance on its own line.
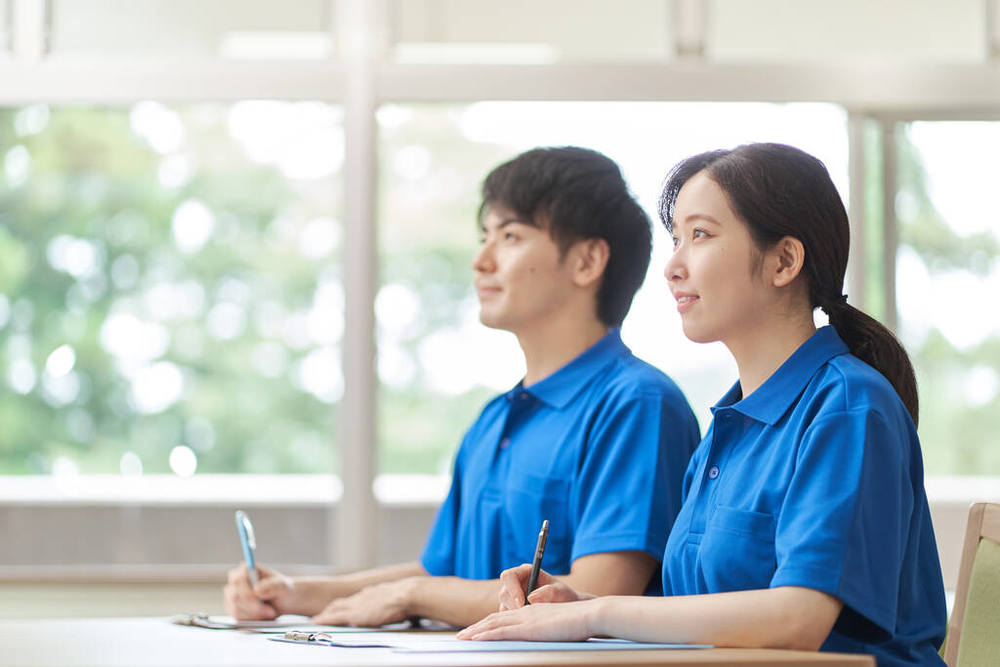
[525, 395]
[713, 472]
[505, 443]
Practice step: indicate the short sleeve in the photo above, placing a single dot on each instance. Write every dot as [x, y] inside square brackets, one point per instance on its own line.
[843, 526]
[628, 490]
[438, 557]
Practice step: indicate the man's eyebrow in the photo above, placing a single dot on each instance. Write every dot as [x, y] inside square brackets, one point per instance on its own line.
[507, 221]
[512, 221]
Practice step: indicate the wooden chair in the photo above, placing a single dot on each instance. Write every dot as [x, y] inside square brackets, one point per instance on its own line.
[974, 630]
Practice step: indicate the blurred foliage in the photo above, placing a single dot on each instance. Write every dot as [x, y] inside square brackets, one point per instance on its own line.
[958, 435]
[85, 176]
[88, 175]
[429, 180]
[927, 232]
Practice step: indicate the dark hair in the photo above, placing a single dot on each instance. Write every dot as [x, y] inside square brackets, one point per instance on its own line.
[780, 191]
[576, 194]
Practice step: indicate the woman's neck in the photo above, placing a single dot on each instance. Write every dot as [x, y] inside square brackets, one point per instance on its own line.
[761, 352]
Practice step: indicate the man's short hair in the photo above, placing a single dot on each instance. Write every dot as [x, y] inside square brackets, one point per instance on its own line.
[577, 194]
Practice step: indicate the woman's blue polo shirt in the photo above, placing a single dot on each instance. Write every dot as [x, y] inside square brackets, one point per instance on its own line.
[598, 448]
[816, 480]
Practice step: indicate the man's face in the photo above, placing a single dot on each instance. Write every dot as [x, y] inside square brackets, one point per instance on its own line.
[520, 277]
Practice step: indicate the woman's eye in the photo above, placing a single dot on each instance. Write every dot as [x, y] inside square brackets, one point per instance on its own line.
[699, 233]
[676, 241]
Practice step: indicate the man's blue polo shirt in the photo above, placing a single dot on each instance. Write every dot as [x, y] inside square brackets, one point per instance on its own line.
[816, 480]
[598, 448]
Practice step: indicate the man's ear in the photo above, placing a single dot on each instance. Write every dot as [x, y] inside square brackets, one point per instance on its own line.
[590, 258]
[785, 261]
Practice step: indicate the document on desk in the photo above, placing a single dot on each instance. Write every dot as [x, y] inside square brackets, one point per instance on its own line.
[425, 644]
[200, 620]
[278, 626]
[463, 646]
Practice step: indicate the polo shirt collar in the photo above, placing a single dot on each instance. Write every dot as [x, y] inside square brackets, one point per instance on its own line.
[558, 389]
[773, 398]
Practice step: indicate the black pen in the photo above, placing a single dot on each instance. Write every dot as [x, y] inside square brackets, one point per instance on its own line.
[536, 564]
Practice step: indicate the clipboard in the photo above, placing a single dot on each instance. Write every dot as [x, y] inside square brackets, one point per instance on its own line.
[325, 639]
[202, 620]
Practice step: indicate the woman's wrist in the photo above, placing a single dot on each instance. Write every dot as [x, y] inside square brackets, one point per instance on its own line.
[595, 615]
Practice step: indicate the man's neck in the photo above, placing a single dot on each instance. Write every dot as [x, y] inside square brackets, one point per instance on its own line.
[550, 347]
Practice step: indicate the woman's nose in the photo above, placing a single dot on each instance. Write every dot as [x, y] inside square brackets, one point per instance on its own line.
[674, 268]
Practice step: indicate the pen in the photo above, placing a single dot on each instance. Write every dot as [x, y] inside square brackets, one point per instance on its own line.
[248, 542]
[536, 564]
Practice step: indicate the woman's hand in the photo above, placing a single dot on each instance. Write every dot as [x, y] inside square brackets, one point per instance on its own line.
[514, 581]
[538, 622]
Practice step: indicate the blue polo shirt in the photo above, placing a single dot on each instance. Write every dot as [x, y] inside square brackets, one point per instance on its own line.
[816, 480]
[598, 448]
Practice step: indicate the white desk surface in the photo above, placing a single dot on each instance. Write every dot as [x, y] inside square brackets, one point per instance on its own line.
[149, 642]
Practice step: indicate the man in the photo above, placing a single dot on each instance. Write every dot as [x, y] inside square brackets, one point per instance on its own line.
[592, 439]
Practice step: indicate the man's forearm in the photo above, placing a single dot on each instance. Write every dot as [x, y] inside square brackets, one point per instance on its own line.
[456, 601]
[318, 591]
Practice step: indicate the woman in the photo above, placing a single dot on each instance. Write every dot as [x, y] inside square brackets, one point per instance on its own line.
[805, 524]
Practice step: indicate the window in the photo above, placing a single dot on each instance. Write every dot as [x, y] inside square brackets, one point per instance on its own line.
[437, 364]
[101, 218]
[170, 296]
[947, 277]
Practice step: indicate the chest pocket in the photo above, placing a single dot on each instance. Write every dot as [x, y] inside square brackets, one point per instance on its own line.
[531, 499]
[737, 550]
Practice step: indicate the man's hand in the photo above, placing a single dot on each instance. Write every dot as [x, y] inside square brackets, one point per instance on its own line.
[275, 594]
[374, 606]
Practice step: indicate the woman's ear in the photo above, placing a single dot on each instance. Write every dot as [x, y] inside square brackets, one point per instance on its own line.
[590, 258]
[787, 258]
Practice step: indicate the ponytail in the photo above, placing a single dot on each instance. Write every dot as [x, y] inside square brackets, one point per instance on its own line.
[874, 344]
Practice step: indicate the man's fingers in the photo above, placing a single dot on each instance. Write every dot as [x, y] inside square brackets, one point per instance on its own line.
[333, 614]
[271, 587]
[266, 611]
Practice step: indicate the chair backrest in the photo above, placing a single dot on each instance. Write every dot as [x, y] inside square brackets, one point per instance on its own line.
[974, 630]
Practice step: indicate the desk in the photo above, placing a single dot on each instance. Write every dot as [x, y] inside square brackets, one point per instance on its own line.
[149, 642]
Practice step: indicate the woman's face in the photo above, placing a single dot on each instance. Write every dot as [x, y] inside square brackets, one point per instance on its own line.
[712, 270]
